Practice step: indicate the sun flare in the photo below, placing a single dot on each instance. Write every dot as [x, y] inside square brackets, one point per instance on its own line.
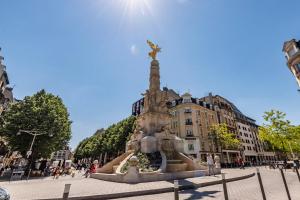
[133, 7]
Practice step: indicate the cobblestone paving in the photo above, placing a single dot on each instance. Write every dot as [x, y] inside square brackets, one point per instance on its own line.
[245, 189]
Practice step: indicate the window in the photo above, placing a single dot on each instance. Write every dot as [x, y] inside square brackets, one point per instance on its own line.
[189, 133]
[187, 100]
[297, 67]
[202, 146]
[291, 52]
[173, 103]
[188, 121]
[191, 147]
[187, 110]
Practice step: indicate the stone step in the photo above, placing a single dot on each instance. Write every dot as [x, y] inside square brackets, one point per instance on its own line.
[177, 167]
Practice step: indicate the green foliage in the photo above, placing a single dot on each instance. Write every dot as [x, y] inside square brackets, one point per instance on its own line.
[112, 140]
[143, 164]
[221, 134]
[279, 133]
[40, 112]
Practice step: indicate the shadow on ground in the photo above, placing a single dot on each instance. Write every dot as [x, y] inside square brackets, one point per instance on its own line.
[194, 194]
[199, 195]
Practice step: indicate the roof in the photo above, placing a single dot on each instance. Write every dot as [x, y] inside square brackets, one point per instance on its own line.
[236, 110]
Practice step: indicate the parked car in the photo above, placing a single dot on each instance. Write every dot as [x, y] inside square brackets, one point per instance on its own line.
[4, 195]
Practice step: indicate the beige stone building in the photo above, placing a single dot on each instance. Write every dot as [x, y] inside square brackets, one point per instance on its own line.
[225, 111]
[292, 53]
[252, 149]
[192, 120]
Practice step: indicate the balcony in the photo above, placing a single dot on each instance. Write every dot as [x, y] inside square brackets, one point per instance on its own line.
[189, 135]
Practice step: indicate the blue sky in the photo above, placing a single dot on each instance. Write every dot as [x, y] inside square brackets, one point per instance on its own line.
[93, 53]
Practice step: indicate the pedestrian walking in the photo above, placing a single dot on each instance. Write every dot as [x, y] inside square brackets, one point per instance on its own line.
[241, 163]
[210, 164]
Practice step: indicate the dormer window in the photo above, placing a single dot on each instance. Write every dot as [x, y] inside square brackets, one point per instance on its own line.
[187, 110]
[187, 100]
[291, 52]
[174, 103]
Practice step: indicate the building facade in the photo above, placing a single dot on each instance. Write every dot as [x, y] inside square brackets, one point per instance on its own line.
[192, 119]
[292, 53]
[225, 111]
[246, 130]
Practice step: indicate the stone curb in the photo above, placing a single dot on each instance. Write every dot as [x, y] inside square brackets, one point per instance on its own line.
[154, 191]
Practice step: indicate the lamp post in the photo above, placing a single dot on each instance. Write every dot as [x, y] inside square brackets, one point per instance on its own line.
[34, 133]
[293, 155]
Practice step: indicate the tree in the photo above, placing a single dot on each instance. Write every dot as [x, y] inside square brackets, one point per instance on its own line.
[111, 141]
[220, 134]
[279, 133]
[42, 112]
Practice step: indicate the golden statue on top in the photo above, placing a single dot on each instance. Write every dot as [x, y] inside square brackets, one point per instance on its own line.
[155, 49]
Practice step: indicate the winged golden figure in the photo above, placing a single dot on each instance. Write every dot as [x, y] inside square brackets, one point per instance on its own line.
[155, 49]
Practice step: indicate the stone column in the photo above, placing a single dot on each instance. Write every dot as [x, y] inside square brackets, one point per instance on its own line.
[154, 76]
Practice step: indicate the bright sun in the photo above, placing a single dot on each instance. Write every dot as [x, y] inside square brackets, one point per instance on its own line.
[136, 6]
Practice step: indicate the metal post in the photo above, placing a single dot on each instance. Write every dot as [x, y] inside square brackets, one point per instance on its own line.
[296, 168]
[224, 187]
[176, 188]
[285, 184]
[30, 150]
[66, 191]
[261, 184]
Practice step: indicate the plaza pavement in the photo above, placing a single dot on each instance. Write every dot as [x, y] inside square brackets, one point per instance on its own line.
[245, 189]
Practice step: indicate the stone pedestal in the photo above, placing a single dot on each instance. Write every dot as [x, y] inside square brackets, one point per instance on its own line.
[217, 162]
[149, 144]
[132, 175]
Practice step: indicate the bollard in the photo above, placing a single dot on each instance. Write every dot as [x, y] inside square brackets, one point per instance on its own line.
[66, 191]
[297, 173]
[261, 184]
[224, 187]
[176, 189]
[285, 184]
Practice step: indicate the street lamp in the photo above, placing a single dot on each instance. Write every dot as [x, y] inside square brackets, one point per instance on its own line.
[34, 133]
[291, 150]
